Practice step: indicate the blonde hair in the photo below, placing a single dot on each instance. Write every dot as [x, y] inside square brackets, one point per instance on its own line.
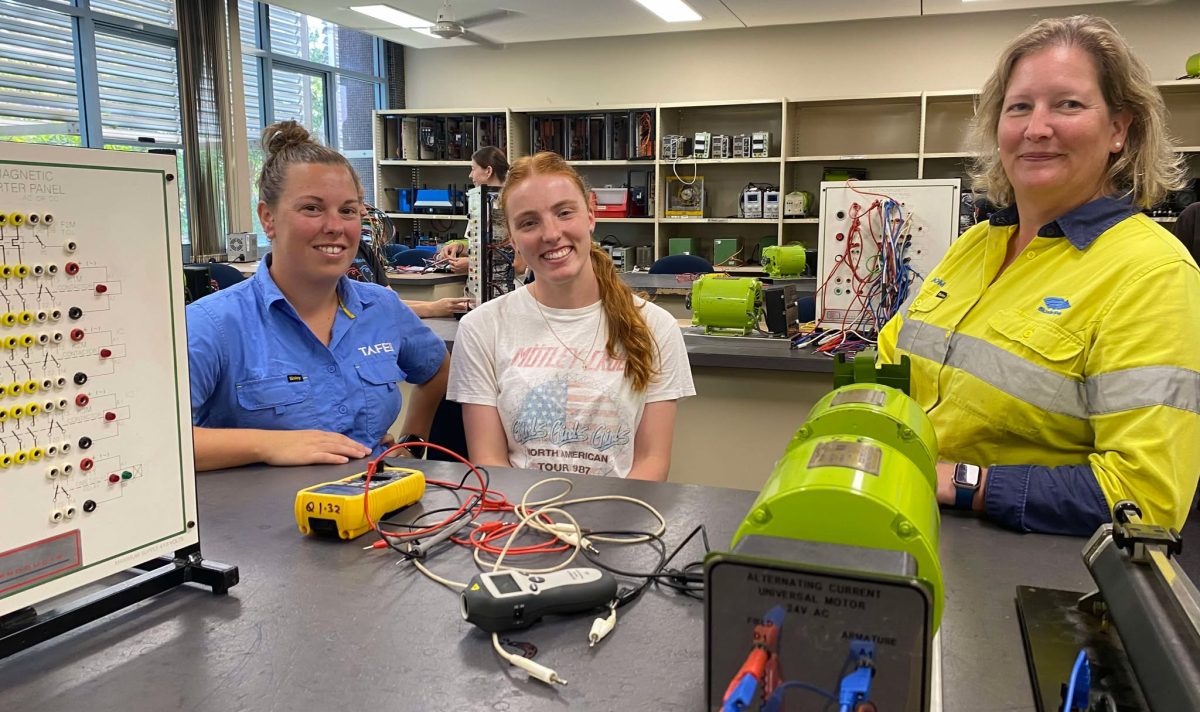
[1148, 166]
[626, 326]
[286, 143]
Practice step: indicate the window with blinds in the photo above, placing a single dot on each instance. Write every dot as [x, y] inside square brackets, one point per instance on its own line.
[39, 88]
[139, 90]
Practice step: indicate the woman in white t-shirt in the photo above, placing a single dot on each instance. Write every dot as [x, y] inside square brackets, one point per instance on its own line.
[540, 387]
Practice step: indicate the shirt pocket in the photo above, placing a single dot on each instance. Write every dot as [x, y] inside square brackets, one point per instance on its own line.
[1039, 341]
[275, 403]
[381, 394]
[1036, 367]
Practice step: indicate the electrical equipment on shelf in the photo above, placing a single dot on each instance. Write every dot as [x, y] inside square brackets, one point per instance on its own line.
[96, 451]
[674, 147]
[641, 192]
[741, 146]
[438, 201]
[685, 199]
[753, 200]
[771, 204]
[241, 247]
[751, 204]
[643, 133]
[612, 202]
[622, 258]
[722, 146]
[645, 256]
[874, 252]
[760, 144]
[797, 204]
[725, 249]
[700, 144]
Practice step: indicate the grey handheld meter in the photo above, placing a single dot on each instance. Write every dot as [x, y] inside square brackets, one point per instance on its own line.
[508, 600]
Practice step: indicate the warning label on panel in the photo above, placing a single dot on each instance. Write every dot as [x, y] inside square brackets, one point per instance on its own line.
[26, 566]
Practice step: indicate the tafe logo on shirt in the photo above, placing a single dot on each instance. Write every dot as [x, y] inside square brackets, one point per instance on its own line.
[1054, 306]
[385, 347]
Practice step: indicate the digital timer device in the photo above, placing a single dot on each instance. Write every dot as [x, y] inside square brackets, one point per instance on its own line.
[335, 509]
[509, 600]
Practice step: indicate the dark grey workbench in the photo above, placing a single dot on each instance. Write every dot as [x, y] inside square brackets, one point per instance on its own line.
[749, 352]
[321, 625]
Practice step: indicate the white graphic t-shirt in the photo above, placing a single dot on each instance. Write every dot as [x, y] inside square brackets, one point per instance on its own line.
[566, 406]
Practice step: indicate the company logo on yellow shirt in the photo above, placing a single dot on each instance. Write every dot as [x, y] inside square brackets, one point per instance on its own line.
[1054, 306]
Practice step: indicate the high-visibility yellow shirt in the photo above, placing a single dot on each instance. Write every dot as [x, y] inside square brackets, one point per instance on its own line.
[1074, 376]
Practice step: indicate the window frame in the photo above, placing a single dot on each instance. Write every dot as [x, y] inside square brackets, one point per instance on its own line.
[267, 60]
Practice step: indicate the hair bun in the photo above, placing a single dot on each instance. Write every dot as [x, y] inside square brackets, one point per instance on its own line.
[283, 134]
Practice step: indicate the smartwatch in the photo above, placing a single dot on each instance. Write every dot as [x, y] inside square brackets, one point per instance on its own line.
[417, 451]
[966, 484]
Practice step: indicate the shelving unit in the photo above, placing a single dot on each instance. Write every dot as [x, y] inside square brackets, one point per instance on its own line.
[892, 136]
[402, 167]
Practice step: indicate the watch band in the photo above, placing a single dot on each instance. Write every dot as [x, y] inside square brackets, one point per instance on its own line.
[417, 451]
[964, 498]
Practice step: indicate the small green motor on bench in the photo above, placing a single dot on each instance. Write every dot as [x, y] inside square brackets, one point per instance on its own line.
[726, 305]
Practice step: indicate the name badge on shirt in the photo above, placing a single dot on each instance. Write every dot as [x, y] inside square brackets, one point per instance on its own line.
[295, 378]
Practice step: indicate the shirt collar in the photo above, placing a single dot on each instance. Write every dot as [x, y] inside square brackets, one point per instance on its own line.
[1080, 226]
[352, 301]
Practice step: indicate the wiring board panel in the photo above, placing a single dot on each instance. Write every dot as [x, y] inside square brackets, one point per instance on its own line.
[96, 469]
[877, 241]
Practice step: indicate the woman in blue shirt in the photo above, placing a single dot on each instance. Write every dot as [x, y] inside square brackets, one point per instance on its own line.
[299, 364]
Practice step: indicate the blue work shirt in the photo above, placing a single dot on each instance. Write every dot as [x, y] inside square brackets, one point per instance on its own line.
[255, 364]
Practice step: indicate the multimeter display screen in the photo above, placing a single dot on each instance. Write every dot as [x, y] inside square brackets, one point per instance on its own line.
[348, 490]
[505, 584]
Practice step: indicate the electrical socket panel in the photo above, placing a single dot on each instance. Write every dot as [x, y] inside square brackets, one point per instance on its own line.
[932, 206]
[96, 460]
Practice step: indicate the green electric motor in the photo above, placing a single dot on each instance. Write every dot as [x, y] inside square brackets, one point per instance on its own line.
[879, 413]
[726, 305]
[783, 260]
[859, 473]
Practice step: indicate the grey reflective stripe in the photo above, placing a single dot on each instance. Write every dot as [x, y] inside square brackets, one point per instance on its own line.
[917, 337]
[1144, 387]
[1052, 392]
[1021, 379]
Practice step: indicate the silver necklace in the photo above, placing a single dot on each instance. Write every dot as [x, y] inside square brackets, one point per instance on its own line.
[574, 354]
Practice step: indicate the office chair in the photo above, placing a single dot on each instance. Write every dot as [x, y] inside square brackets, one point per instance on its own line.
[681, 264]
[391, 252]
[411, 258]
[225, 275]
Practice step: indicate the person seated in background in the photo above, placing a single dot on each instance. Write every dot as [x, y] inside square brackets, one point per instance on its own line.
[1055, 346]
[571, 373]
[300, 364]
[489, 166]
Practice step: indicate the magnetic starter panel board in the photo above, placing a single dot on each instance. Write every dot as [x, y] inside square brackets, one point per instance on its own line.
[853, 229]
[96, 470]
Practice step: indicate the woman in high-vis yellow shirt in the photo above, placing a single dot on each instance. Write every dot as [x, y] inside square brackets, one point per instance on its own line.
[1055, 347]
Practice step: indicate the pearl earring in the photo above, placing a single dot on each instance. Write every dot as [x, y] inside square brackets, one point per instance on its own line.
[1117, 144]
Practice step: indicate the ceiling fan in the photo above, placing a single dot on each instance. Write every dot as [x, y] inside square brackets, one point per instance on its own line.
[447, 28]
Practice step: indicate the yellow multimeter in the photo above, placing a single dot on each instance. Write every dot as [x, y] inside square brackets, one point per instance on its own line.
[335, 509]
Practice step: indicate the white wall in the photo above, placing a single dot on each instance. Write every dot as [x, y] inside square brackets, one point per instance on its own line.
[835, 59]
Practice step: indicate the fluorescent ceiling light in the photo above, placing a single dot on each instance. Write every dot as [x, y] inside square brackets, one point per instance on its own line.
[392, 15]
[671, 10]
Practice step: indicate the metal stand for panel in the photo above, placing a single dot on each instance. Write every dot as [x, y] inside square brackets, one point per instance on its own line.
[27, 627]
